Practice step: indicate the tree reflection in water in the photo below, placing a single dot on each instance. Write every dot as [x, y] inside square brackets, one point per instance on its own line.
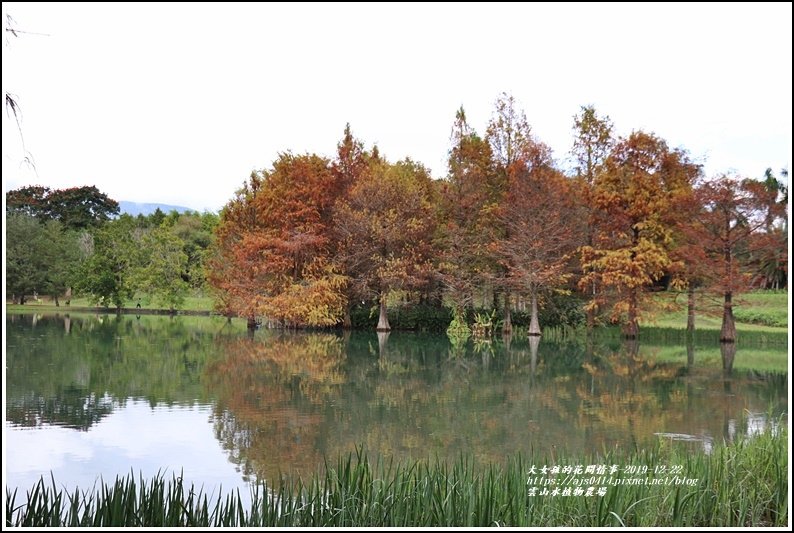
[285, 401]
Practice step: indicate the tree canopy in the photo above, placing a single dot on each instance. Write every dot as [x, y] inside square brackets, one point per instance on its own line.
[76, 207]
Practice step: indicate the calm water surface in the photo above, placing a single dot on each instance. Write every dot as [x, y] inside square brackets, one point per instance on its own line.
[90, 396]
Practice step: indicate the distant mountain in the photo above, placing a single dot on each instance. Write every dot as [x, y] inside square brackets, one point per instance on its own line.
[136, 208]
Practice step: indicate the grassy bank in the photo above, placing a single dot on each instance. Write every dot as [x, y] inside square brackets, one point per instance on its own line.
[755, 312]
[192, 303]
[761, 317]
[741, 484]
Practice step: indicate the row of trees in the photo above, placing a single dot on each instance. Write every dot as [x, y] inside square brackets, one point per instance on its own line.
[134, 256]
[44, 232]
[73, 241]
[303, 241]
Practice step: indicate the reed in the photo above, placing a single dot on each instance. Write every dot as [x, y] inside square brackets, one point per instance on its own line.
[743, 484]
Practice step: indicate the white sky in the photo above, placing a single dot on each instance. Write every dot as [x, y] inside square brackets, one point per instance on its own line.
[178, 103]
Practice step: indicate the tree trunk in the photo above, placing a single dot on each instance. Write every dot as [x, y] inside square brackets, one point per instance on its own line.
[728, 353]
[383, 336]
[507, 341]
[56, 301]
[728, 331]
[534, 325]
[347, 323]
[383, 319]
[690, 313]
[590, 313]
[534, 342]
[589, 346]
[68, 296]
[632, 347]
[507, 325]
[251, 324]
[631, 329]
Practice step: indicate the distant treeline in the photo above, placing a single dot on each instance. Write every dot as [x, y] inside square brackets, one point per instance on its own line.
[68, 242]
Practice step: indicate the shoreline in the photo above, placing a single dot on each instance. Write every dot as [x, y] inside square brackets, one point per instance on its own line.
[109, 310]
[743, 328]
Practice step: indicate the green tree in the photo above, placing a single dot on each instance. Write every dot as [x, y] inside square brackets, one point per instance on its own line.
[157, 218]
[107, 275]
[82, 207]
[769, 246]
[162, 273]
[63, 260]
[25, 263]
[76, 207]
[195, 232]
[40, 257]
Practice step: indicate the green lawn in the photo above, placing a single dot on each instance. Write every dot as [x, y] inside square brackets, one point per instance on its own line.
[755, 311]
[192, 303]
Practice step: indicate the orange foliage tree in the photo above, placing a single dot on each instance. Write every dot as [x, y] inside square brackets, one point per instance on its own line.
[515, 150]
[732, 213]
[467, 198]
[302, 240]
[273, 252]
[352, 165]
[690, 268]
[593, 142]
[540, 236]
[385, 228]
[639, 190]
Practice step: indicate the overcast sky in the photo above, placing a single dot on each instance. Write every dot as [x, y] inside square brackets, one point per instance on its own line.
[178, 103]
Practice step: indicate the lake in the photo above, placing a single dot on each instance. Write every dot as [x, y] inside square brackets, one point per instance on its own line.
[106, 395]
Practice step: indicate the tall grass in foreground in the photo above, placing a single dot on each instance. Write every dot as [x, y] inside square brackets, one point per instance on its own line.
[741, 484]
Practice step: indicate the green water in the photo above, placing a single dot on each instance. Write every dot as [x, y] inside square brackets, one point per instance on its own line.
[90, 396]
